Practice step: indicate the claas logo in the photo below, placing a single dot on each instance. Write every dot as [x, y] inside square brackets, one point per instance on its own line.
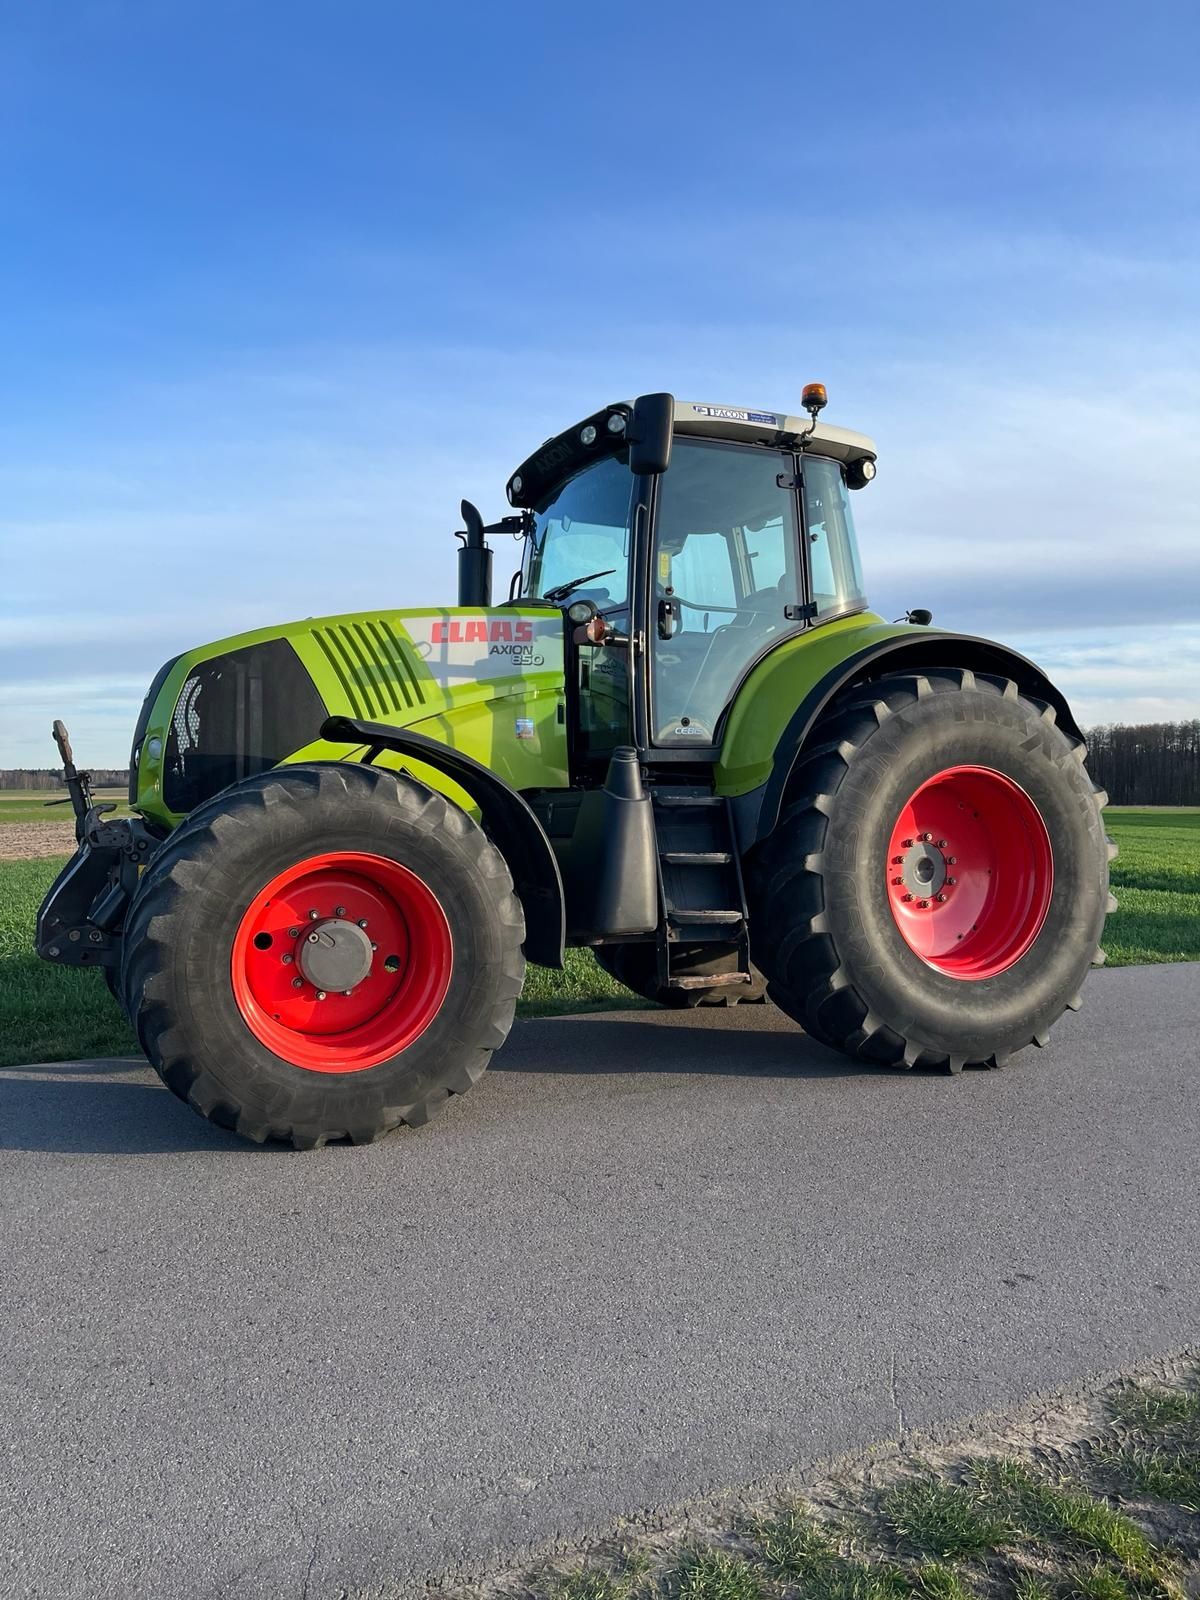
[482, 630]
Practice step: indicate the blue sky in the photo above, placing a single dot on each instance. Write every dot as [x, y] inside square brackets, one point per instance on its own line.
[281, 284]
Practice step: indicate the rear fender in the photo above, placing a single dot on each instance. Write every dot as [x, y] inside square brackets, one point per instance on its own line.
[758, 812]
[507, 820]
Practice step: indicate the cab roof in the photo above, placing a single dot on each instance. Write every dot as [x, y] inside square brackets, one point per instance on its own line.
[770, 427]
[565, 454]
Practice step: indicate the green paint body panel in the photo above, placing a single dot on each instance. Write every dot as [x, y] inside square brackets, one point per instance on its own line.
[487, 682]
[769, 696]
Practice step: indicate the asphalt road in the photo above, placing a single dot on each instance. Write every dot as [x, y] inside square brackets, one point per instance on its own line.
[649, 1256]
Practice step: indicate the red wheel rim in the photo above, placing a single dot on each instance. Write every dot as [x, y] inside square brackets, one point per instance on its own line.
[970, 872]
[377, 928]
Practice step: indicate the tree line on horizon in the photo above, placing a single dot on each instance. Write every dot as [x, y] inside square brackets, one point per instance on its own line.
[1147, 763]
[1142, 764]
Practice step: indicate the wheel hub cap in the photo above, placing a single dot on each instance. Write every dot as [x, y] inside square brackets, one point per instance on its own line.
[923, 869]
[334, 955]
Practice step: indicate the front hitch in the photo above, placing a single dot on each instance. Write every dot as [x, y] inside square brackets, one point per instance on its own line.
[81, 918]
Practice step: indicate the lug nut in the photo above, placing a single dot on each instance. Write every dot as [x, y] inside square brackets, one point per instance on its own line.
[906, 897]
[941, 844]
[897, 861]
[953, 860]
[347, 992]
[951, 881]
[297, 983]
[926, 837]
[320, 994]
[923, 904]
[362, 922]
[907, 843]
[288, 958]
[939, 898]
[374, 946]
[293, 933]
[897, 880]
[313, 915]
[339, 911]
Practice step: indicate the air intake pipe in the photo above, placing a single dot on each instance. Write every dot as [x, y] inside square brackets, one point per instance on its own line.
[474, 561]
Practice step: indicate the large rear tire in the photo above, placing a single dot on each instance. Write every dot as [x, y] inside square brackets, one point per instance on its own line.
[323, 952]
[935, 891]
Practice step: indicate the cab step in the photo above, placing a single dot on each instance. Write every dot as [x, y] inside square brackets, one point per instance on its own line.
[711, 980]
[687, 916]
[697, 858]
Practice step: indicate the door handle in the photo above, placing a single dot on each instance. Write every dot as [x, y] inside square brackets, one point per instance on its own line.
[668, 618]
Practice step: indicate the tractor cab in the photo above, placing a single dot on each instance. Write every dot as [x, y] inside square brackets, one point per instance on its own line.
[685, 541]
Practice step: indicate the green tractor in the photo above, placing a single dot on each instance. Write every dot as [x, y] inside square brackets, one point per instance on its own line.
[683, 740]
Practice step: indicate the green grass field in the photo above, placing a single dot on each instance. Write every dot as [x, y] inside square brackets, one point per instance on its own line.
[29, 805]
[53, 1014]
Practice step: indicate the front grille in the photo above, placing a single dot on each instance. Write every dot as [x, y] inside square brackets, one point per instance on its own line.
[375, 667]
[238, 714]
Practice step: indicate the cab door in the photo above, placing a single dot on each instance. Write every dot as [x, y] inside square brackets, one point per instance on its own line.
[582, 542]
[726, 578]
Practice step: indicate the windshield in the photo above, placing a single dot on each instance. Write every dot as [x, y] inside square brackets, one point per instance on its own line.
[583, 529]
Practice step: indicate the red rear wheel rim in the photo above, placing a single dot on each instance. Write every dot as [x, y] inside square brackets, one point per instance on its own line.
[393, 943]
[970, 872]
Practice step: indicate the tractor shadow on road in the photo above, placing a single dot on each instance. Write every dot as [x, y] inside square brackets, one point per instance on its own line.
[751, 1043]
[102, 1108]
[118, 1107]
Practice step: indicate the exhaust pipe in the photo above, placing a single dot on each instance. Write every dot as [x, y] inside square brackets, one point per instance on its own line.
[474, 561]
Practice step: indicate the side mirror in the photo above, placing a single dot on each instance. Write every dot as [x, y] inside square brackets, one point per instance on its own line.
[650, 434]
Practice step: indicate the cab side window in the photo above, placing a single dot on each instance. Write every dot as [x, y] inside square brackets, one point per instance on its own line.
[832, 549]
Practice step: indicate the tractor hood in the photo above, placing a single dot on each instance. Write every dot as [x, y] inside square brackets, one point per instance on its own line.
[486, 681]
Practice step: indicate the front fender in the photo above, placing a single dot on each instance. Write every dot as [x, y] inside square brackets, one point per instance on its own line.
[507, 819]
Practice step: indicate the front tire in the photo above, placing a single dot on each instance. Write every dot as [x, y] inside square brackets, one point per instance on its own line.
[323, 952]
[935, 891]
